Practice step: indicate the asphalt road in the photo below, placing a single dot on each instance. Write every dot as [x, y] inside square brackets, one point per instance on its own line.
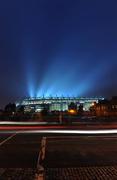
[77, 151]
[19, 151]
[22, 151]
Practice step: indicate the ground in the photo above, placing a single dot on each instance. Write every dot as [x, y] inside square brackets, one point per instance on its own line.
[66, 157]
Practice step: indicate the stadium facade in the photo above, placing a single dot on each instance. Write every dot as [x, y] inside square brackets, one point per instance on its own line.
[56, 103]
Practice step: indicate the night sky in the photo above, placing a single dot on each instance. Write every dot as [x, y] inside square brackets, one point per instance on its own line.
[57, 47]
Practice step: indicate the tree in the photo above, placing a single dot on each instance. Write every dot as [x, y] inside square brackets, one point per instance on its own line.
[73, 106]
[80, 111]
[10, 108]
[21, 109]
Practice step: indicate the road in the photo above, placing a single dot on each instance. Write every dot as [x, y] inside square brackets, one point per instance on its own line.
[59, 152]
[19, 151]
[81, 151]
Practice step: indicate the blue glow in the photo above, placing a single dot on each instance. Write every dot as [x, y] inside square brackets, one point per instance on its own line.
[57, 48]
[31, 91]
[66, 80]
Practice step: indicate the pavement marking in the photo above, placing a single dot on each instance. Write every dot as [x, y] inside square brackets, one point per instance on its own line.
[10, 137]
[41, 155]
[43, 147]
[40, 169]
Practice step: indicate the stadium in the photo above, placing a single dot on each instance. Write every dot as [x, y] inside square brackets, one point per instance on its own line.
[56, 103]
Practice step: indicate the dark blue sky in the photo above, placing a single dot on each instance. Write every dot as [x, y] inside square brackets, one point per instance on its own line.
[57, 47]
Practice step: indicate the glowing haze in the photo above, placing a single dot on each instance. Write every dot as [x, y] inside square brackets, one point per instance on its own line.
[57, 47]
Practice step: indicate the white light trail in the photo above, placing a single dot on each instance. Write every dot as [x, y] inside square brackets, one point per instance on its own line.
[77, 132]
[21, 123]
[110, 131]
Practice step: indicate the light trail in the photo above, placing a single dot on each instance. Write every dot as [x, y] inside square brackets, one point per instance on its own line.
[112, 131]
[22, 123]
[78, 132]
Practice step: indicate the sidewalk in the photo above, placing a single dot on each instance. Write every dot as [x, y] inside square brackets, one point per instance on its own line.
[82, 173]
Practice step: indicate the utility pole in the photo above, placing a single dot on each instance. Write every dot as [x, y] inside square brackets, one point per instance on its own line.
[60, 117]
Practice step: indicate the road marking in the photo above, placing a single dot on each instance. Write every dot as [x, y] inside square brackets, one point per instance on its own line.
[43, 148]
[7, 139]
[41, 157]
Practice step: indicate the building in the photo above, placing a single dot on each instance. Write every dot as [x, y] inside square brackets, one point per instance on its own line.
[105, 107]
[55, 103]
